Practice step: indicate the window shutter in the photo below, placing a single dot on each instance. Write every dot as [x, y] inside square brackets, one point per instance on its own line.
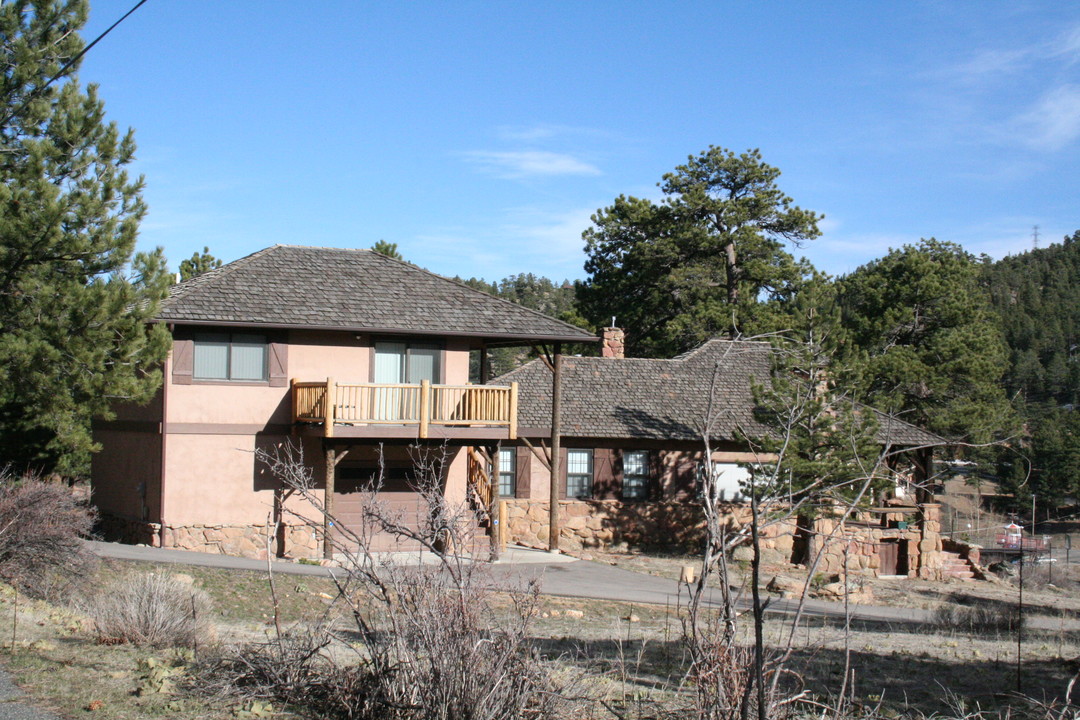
[182, 361]
[278, 364]
[524, 472]
[606, 474]
[562, 473]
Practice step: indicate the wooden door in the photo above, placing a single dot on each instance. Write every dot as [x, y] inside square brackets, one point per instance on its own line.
[888, 557]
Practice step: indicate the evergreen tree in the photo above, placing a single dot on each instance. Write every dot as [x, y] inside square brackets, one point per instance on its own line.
[388, 249]
[696, 265]
[1036, 298]
[825, 441]
[198, 263]
[925, 344]
[74, 296]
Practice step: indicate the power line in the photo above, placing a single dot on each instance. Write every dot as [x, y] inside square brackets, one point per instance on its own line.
[67, 65]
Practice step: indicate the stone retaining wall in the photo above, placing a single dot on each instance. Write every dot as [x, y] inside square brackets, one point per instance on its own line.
[607, 523]
[240, 540]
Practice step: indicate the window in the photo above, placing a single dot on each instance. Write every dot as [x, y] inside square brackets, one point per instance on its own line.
[579, 473]
[230, 356]
[635, 484]
[507, 472]
[402, 362]
[730, 479]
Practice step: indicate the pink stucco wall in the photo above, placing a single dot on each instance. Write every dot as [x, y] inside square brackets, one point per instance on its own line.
[210, 470]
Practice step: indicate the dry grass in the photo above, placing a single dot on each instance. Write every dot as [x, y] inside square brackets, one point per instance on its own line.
[153, 609]
[637, 667]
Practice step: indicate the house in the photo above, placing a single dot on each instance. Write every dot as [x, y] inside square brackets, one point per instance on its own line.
[259, 346]
[632, 451]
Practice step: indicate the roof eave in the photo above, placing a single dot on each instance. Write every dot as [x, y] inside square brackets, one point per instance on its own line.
[500, 337]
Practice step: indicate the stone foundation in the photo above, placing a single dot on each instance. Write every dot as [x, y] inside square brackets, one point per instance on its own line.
[606, 523]
[640, 525]
[298, 541]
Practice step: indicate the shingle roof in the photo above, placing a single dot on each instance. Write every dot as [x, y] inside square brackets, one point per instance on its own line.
[356, 290]
[665, 399]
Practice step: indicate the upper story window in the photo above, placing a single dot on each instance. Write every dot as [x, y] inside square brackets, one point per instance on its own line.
[635, 474]
[230, 356]
[407, 362]
[507, 472]
[579, 473]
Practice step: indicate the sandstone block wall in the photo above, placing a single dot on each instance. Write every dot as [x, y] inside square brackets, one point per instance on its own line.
[606, 523]
[240, 540]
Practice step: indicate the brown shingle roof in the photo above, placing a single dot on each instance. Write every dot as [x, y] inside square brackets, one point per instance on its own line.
[357, 290]
[665, 399]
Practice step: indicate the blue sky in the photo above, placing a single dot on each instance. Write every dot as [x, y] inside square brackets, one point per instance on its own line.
[480, 137]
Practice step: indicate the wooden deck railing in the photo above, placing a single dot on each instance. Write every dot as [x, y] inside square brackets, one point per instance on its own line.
[424, 405]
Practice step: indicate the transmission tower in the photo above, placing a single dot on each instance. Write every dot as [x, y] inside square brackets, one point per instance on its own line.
[1035, 237]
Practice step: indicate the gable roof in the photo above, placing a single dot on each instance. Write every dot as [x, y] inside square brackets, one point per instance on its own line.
[356, 290]
[637, 398]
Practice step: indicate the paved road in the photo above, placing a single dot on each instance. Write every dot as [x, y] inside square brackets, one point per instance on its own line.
[560, 575]
[10, 706]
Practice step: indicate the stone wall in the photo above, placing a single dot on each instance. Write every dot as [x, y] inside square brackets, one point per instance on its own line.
[240, 540]
[607, 523]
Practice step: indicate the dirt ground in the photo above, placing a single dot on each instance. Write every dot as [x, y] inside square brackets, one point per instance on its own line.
[635, 651]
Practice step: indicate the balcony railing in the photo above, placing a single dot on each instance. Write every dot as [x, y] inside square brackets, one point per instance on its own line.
[422, 405]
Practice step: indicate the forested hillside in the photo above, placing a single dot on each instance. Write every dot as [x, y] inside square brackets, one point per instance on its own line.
[1036, 295]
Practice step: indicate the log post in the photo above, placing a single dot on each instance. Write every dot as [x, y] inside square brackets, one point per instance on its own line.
[425, 407]
[328, 502]
[513, 410]
[494, 516]
[328, 408]
[556, 462]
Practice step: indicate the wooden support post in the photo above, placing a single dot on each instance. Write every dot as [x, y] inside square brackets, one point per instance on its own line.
[425, 407]
[513, 410]
[483, 364]
[494, 516]
[328, 501]
[556, 463]
[328, 408]
[504, 531]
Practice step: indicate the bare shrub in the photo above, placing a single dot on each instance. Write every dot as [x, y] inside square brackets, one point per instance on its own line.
[423, 642]
[151, 609]
[979, 618]
[42, 527]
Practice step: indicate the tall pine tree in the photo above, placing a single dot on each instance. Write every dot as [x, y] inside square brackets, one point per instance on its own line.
[74, 296]
[925, 341]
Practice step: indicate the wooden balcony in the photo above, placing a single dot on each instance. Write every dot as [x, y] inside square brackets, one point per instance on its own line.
[422, 406]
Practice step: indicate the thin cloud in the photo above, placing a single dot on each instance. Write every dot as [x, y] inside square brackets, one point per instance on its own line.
[1054, 121]
[986, 63]
[529, 163]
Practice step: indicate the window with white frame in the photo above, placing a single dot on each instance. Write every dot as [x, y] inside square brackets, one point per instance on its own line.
[635, 484]
[507, 472]
[230, 356]
[579, 473]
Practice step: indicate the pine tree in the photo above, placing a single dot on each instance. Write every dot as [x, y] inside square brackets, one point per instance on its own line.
[696, 265]
[75, 298]
[925, 342]
[198, 263]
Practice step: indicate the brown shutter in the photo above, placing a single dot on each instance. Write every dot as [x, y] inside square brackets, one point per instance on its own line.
[562, 475]
[183, 361]
[606, 476]
[278, 364]
[523, 465]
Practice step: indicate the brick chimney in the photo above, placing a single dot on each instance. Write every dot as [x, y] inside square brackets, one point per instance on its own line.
[614, 343]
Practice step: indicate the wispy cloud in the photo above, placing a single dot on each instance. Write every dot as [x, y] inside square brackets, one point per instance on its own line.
[996, 61]
[1054, 121]
[529, 163]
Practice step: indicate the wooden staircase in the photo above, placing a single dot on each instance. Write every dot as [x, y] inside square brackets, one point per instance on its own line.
[954, 566]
